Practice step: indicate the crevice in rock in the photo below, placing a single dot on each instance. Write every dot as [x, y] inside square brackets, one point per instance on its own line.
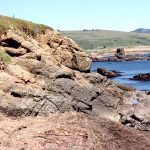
[48, 44]
[37, 112]
[94, 97]
[39, 57]
[12, 112]
[66, 76]
[13, 54]
[16, 94]
[81, 106]
[125, 122]
[136, 118]
[10, 43]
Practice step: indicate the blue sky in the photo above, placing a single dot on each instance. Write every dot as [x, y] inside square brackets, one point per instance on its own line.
[123, 15]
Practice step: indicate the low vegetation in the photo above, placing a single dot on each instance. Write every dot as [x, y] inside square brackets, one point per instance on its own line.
[27, 27]
[6, 58]
[103, 40]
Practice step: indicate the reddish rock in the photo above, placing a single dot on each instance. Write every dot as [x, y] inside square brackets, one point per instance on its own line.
[69, 131]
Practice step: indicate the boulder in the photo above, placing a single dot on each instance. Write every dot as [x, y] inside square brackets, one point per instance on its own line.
[120, 53]
[142, 77]
[107, 73]
[66, 51]
[15, 52]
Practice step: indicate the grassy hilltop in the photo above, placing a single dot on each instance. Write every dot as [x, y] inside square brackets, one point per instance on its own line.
[95, 40]
[27, 27]
[104, 39]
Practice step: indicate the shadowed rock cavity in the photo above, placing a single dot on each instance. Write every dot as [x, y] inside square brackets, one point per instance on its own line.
[10, 43]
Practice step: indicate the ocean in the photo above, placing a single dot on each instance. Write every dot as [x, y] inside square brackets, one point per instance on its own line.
[128, 69]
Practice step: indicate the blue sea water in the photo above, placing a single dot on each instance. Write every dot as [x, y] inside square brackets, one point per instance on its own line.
[128, 69]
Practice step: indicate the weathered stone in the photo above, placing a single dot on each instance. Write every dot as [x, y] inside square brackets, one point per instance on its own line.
[15, 52]
[120, 53]
[95, 78]
[42, 80]
[21, 73]
[141, 112]
[71, 43]
[142, 77]
[107, 73]
[11, 34]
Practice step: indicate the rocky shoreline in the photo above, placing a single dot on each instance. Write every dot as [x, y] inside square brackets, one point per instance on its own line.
[50, 100]
[113, 58]
[121, 54]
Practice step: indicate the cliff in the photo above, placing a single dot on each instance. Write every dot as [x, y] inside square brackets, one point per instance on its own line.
[45, 73]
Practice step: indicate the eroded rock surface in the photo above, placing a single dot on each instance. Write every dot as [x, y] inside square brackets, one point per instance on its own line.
[49, 74]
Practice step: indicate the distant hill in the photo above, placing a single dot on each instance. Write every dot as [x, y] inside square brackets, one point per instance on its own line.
[96, 40]
[142, 30]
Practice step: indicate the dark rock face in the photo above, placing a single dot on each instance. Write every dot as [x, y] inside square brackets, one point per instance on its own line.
[107, 73]
[142, 77]
[120, 53]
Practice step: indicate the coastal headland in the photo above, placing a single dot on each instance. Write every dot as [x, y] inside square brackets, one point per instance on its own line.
[51, 100]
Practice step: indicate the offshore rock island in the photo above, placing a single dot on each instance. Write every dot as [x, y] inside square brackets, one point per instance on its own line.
[51, 100]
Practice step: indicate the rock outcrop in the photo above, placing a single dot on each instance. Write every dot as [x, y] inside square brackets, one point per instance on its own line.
[142, 77]
[50, 45]
[107, 73]
[120, 53]
[50, 74]
[46, 76]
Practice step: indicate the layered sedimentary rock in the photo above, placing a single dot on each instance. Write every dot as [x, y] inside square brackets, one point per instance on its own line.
[48, 74]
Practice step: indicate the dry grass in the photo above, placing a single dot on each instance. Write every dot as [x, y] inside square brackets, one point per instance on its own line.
[27, 27]
[103, 40]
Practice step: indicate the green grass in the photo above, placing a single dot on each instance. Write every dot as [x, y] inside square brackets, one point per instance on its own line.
[27, 27]
[101, 40]
[6, 58]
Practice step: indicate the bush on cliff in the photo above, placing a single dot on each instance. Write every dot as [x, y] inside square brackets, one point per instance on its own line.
[5, 57]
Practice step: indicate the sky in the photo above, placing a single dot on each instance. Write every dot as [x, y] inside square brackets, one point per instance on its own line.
[120, 15]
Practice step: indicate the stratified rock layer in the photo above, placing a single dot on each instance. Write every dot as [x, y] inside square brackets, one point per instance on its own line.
[49, 74]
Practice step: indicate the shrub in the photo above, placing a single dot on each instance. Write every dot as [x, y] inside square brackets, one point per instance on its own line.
[6, 58]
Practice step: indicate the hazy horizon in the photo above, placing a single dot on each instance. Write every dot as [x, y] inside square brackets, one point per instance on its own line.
[125, 15]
